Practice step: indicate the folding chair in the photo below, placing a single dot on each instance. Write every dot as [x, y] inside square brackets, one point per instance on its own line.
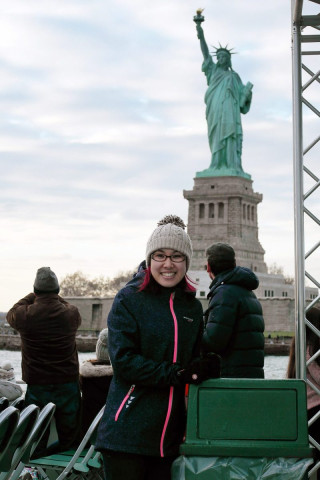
[8, 423]
[19, 440]
[4, 403]
[82, 463]
[18, 403]
[39, 428]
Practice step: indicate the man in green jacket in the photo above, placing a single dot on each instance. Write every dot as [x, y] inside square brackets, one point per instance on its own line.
[234, 323]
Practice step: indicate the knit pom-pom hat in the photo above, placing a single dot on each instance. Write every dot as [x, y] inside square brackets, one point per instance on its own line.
[170, 233]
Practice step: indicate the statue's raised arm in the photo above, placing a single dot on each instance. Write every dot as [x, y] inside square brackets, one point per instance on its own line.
[203, 43]
[226, 98]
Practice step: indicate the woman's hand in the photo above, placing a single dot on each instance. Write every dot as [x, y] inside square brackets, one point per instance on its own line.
[201, 369]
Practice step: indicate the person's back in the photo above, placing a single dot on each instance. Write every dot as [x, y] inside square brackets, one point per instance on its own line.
[312, 373]
[47, 325]
[95, 378]
[234, 321]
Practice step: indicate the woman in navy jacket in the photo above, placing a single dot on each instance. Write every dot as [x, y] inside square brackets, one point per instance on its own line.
[155, 329]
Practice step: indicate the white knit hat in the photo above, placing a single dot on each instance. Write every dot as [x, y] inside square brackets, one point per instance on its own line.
[7, 372]
[170, 233]
[102, 351]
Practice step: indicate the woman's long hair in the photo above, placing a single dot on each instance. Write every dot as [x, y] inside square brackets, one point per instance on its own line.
[149, 284]
[312, 342]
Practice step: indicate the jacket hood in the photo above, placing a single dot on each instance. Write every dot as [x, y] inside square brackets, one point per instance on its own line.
[137, 278]
[241, 276]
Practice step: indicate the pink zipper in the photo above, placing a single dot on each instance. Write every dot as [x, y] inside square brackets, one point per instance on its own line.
[175, 354]
[175, 351]
[124, 401]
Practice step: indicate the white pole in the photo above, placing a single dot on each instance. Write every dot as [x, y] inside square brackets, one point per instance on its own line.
[298, 201]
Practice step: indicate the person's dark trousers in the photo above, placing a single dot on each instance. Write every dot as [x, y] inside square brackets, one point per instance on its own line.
[66, 397]
[314, 431]
[129, 466]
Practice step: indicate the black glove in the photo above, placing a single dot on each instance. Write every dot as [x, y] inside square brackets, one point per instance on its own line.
[214, 364]
[200, 369]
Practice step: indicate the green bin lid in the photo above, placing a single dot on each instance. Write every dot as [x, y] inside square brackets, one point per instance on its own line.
[247, 417]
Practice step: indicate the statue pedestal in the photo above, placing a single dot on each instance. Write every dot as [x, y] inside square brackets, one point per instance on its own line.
[224, 209]
[222, 172]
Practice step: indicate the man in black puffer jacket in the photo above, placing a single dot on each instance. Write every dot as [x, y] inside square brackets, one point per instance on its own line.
[234, 322]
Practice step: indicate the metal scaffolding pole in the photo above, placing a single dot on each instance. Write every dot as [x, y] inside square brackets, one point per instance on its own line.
[303, 27]
[298, 193]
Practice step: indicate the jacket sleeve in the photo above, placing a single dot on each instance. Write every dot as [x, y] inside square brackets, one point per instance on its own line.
[125, 356]
[222, 314]
[313, 369]
[73, 309]
[18, 313]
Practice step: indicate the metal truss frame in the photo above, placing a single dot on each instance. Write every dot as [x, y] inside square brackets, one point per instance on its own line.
[305, 49]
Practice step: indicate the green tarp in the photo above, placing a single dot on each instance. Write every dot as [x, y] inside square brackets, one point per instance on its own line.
[239, 468]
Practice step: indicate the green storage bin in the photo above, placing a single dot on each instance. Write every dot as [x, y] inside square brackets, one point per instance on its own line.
[231, 417]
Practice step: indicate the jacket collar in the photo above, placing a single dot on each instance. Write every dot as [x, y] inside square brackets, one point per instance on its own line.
[43, 297]
[219, 279]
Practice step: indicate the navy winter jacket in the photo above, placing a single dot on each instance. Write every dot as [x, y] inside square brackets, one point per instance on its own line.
[234, 324]
[150, 336]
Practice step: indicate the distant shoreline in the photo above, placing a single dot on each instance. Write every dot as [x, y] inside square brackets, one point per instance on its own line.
[88, 344]
[13, 342]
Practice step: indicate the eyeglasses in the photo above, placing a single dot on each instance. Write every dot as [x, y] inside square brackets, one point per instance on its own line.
[161, 257]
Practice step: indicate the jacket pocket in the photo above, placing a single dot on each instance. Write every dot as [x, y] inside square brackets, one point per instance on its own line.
[126, 398]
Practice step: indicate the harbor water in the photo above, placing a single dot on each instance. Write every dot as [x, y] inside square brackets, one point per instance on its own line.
[275, 366]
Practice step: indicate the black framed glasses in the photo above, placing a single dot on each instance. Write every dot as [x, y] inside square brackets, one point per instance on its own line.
[161, 257]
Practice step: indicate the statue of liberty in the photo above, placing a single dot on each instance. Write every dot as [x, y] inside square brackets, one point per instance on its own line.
[226, 97]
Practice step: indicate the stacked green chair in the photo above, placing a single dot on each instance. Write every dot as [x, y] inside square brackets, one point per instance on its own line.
[18, 403]
[8, 423]
[4, 403]
[19, 440]
[80, 463]
[41, 425]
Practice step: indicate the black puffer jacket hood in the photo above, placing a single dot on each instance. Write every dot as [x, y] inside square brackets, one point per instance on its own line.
[241, 276]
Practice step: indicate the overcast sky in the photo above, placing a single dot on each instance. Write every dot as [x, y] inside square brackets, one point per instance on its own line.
[102, 126]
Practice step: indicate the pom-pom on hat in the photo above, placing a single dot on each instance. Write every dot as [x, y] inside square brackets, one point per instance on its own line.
[102, 351]
[170, 233]
[46, 280]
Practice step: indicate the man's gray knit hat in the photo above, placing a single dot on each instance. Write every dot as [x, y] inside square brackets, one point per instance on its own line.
[46, 280]
[170, 233]
[102, 351]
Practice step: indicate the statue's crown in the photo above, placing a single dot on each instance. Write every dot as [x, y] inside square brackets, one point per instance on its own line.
[223, 49]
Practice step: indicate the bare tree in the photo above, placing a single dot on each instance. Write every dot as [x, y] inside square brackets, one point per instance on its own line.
[275, 269]
[78, 284]
[288, 280]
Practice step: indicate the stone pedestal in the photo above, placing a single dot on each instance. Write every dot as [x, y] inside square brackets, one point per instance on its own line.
[224, 209]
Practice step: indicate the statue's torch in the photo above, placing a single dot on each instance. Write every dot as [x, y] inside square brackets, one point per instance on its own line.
[199, 18]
